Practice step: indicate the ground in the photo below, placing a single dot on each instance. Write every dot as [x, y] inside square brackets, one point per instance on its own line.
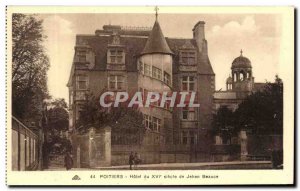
[58, 165]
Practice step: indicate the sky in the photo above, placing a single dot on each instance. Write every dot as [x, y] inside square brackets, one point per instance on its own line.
[258, 35]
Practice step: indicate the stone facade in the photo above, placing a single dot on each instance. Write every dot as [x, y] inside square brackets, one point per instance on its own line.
[117, 59]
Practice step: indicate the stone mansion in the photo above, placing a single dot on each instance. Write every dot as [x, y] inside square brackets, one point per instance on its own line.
[140, 59]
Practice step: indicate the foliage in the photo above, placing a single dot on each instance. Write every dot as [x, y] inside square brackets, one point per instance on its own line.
[223, 122]
[59, 145]
[57, 115]
[57, 124]
[94, 115]
[29, 66]
[261, 112]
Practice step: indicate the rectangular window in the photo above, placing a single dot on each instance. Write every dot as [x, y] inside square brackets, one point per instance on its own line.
[147, 71]
[185, 114]
[82, 82]
[156, 124]
[148, 121]
[152, 123]
[188, 83]
[193, 137]
[116, 82]
[189, 114]
[78, 111]
[189, 137]
[156, 73]
[188, 58]
[141, 67]
[167, 78]
[116, 56]
[81, 55]
[184, 138]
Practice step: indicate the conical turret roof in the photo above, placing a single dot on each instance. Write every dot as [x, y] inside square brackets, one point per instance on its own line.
[156, 42]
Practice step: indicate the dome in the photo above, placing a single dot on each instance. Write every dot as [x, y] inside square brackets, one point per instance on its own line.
[241, 62]
[229, 80]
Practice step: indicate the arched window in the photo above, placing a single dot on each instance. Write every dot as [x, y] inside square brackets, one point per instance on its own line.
[241, 76]
[229, 86]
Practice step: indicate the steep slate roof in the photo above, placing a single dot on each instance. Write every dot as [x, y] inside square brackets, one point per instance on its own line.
[99, 44]
[156, 42]
[135, 44]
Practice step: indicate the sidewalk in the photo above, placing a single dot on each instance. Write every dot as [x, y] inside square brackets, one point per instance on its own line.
[181, 166]
[194, 166]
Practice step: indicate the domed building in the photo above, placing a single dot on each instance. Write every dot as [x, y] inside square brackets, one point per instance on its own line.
[239, 84]
[241, 70]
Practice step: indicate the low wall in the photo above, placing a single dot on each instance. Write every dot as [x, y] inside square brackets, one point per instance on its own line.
[25, 147]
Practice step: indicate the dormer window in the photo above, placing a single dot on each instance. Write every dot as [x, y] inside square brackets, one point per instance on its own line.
[81, 55]
[188, 57]
[116, 56]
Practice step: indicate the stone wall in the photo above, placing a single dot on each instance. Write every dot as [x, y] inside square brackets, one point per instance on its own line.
[92, 149]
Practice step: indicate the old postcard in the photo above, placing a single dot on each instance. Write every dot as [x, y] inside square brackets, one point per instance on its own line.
[150, 95]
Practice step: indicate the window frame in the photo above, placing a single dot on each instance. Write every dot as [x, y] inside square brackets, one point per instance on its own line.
[78, 80]
[147, 70]
[190, 56]
[167, 78]
[189, 137]
[81, 55]
[184, 137]
[152, 123]
[156, 123]
[114, 79]
[116, 56]
[188, 83]
[189, 115]
[156, 73]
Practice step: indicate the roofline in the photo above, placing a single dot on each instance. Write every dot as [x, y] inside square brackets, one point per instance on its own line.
[141, 54]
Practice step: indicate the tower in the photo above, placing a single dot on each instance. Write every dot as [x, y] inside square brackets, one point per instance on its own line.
[229, 84]
[155, 75]
[241, 71]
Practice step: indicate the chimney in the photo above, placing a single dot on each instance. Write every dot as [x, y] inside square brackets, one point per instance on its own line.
[111, 28]
[199, 34]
